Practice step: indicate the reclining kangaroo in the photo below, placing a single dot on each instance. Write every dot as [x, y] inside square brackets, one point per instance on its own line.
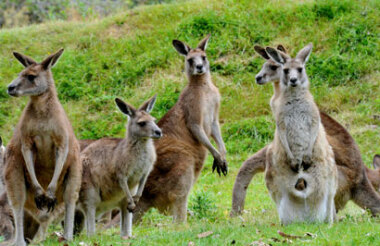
[353, 183]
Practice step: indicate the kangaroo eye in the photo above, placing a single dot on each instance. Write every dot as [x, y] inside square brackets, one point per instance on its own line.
[299, 69]
[286, 70]
[31, 77]
[190, 61]
[142, 124]
[204, 58]
[272, 67]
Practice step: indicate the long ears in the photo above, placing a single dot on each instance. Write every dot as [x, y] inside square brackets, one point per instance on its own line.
[148, 105]
[1, 142]
[51, 60]
[280, 47]
[181, 47]
[26, 61]
[277, 56]
[304, 54]
[376, 161]
[203, 43]
[125, 108]
[261, 51]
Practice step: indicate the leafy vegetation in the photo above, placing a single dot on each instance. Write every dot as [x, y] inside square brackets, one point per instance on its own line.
[129, 55]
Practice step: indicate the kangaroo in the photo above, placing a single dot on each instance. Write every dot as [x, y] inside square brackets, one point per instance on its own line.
[31, 226]
[374, 175]
[187, 127]
[353, 182]
[114, 167]
[301, 175]
[42, 165]
[2, 152]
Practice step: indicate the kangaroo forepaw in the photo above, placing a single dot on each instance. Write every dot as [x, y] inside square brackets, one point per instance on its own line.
[40, 201]
[131, 207]
[220, 166]
[50, 203]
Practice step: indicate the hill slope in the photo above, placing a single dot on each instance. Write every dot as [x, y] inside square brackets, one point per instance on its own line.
[130, 55]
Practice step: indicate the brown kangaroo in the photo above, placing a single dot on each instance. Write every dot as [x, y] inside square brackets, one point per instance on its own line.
[31, 226]
[43, 168]
[353, 183]
[186, 129]
[374, 175]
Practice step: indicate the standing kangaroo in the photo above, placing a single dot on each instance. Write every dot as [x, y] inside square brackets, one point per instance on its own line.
[187, 129]
[43, 168]
[353, 182]
[114, 167]
[301, 174]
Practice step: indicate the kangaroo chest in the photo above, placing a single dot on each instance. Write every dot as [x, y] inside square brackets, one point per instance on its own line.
[297, 119]
[140, 166]
[210, 102]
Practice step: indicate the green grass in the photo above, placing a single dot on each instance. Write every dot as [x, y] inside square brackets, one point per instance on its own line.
[130, 55]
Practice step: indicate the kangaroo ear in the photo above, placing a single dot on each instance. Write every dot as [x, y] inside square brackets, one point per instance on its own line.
[203, 43]
[304, 54]
[51, 60]
[148, 105]
[261, 51]
[376, 161]
[277, 56]
[181, 47]
[125, 108]
[1, 142]
[280, 47]
[26, 61]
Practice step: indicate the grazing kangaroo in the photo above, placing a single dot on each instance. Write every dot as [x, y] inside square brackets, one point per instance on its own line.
[353, 182]
[114, 167]
[42, 165]
[301, 174]
[374, 175]
[187, 128]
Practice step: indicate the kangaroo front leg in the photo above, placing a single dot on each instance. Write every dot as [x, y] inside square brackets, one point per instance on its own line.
[284, 141]
[313, 137]
[220, 164]
[140, 189]
[217, 136]
[123, 182]
[28, 157]
[60, 157]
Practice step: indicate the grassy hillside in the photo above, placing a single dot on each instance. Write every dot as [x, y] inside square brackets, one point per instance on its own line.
[130, 55]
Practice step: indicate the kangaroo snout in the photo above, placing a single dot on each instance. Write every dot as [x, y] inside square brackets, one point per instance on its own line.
[12, 89]
[301, 184]
[293, 82]
[157, 134]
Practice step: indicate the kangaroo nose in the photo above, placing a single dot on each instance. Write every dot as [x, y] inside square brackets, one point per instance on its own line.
[301, 184]
[158, 133]
[293, 80]
[11, 88]
[199, 66]
[258, 79]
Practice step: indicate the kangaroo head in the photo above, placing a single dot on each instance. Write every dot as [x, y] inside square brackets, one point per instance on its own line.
[293, 72]
[196, 62]
[36, 78]
[376, 165]
[270, 71]
[141, 124]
